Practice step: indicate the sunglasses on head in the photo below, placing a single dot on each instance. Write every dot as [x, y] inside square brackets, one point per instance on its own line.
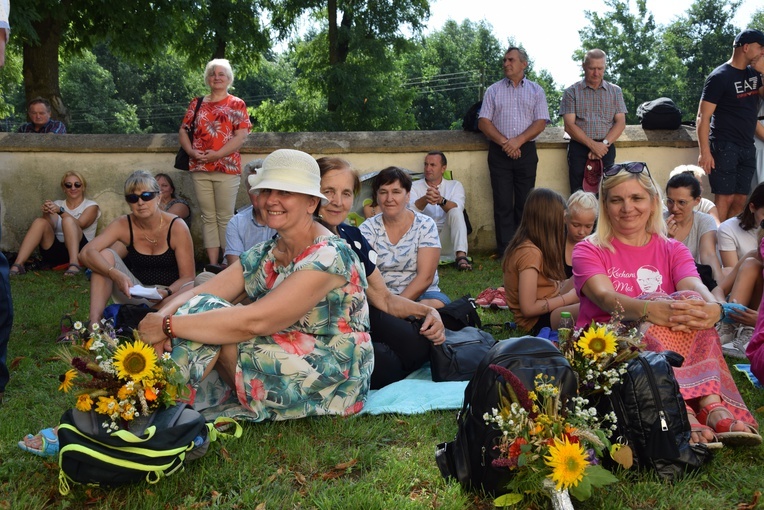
[68, 185]
[145, 196]
[633, 167]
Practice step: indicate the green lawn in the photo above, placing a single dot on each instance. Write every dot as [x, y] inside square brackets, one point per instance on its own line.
[382, 462]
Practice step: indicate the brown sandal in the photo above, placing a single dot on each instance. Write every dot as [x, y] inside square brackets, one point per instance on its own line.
[20, 269]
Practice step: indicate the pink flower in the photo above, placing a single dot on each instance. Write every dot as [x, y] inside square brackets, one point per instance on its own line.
[295, 342]
[257, 391]
[270, 274]
[310, 250]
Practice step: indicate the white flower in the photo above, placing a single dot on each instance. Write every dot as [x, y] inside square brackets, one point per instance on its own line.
[77, 325]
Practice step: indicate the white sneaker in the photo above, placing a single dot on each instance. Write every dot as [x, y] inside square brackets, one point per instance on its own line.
[727, 331]
[744, 334]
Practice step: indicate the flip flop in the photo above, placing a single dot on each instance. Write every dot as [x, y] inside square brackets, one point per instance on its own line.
[723, 427]
[49, 443]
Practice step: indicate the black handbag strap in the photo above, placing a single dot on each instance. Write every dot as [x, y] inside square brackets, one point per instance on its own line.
[192, 127]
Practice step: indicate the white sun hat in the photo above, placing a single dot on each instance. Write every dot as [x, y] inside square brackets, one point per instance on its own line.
[290, 170]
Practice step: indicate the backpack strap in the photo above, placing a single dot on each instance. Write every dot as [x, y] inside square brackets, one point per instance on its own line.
[217, 428]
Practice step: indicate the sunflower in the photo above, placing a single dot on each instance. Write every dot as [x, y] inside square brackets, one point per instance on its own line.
[568, 463]
[135, 361]
[67, 380]
[597, 341]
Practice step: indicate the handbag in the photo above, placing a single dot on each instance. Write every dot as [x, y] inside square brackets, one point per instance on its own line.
[181, 158]
[458, 357]
[460, 313]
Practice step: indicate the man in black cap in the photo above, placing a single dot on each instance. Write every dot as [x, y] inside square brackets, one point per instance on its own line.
[727, 122]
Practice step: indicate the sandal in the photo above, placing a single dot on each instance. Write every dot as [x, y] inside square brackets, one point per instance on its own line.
[20, 269]
[72, 272]
[723, 427]
[699, 428]
[463, 263]
[49, 438]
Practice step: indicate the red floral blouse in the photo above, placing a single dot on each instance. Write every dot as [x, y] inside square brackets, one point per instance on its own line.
[216, 124]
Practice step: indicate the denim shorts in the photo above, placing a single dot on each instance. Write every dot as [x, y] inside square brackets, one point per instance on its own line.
[734, 168]
[435, 294]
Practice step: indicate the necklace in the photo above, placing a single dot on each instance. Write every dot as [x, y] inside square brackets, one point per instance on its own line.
[147, 238]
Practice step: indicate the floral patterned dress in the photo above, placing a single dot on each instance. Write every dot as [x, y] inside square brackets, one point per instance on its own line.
[320, 365]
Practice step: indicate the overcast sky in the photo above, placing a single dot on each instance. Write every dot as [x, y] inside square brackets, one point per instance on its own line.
[548, 29]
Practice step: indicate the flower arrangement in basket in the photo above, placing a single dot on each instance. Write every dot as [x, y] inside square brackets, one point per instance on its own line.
[549, 446]
[116, 377]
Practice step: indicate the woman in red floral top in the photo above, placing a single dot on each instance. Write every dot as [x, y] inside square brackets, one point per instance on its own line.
[222, 125]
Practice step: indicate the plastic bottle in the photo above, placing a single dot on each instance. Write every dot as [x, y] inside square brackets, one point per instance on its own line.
[565, 329]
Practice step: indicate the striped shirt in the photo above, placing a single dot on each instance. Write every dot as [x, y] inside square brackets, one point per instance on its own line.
[595, 109]
[513, 109]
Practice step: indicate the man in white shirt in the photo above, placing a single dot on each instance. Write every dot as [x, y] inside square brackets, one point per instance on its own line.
[443, 201]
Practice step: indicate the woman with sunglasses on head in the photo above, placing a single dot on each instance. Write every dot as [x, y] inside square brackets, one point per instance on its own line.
[630, 264]
[64, 229]
[159, 250]
[400, 345]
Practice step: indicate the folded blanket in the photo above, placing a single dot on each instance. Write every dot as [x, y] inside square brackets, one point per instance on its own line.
[746, 369]
[415, 394]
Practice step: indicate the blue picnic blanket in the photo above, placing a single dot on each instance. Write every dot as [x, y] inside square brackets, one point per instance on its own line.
[415, 394]
[746, 369]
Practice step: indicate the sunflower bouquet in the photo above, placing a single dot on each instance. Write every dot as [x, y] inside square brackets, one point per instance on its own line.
[599, 354]
[116, 377]
[547, 442]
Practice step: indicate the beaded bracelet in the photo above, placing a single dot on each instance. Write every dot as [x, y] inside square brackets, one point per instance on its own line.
[167, 327]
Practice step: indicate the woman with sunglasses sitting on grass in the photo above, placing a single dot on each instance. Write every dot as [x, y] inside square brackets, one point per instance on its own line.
[159, 251]
[631, 265]
[64, 228]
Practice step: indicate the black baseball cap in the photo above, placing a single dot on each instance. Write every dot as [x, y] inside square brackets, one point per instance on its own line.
[748, 36]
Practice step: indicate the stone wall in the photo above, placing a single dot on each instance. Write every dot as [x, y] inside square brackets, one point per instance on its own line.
[31, 166]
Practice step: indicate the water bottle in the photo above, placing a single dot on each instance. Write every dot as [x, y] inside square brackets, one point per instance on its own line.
[565, 329]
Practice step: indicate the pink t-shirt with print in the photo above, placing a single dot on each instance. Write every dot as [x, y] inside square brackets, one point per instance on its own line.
[634, 270]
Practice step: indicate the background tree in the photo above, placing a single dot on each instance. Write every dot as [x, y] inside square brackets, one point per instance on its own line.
[449, 70]
[356, 28]
[631, 41]
[700, 41]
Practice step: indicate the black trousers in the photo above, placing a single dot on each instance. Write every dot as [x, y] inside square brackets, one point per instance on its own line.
[6, 320]
[511, 181]
[399, 349]
[578, 153]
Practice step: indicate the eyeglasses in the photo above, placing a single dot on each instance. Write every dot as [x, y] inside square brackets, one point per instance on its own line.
[680, 203]
[145, 196]
[68, 185]
[633, 167]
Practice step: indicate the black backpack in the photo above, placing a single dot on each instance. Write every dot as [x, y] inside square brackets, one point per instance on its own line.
[661, 113]
[652, 418]
[90, 454]
[469, 457]
[470, 121]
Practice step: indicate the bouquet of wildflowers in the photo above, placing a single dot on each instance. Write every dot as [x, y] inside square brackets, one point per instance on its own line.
[118, 378]
[545, 441]
[598, 354]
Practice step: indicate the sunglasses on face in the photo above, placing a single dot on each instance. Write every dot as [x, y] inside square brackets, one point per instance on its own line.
[633, 167]
[68, 185]
[145, 196]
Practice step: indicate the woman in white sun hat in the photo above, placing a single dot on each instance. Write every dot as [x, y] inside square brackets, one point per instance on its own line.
[302, 347]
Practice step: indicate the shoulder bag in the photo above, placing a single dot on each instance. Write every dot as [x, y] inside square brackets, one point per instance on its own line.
[181, 158]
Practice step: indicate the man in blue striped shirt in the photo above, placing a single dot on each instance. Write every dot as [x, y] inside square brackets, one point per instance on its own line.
[38, 111]
[513, 114]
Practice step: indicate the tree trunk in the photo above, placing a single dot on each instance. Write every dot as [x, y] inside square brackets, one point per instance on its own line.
[338, 54]
[41, 68]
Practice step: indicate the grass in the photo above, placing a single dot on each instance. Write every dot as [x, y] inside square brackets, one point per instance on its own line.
[367, 462]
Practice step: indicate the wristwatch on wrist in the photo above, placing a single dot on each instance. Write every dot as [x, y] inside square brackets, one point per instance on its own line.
[443, 202]
[61, 211]
[607, 144]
